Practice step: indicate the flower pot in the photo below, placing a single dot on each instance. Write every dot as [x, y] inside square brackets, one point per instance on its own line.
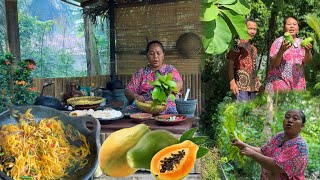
[187, 108]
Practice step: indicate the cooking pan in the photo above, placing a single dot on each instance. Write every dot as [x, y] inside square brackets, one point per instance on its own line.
[79, 123]
[48, 101]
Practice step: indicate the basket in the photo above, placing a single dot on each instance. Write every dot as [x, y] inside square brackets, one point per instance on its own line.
[85, 102]
[146, 107]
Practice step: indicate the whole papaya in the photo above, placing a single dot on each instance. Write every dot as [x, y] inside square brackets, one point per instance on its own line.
[288, 37]
[306, 41]
[152, 142]
[112, 154]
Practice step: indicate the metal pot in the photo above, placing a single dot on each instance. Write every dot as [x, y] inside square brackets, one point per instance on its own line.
[48, 100]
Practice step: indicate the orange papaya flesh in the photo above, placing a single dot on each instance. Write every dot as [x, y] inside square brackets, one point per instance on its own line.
[174, 162]
[113, 152]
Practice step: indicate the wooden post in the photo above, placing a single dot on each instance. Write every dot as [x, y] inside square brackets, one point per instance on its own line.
[93, 62]
[13, 28]
[113, 67]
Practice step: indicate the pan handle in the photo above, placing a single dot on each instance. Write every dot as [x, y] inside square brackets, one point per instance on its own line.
[93, 128]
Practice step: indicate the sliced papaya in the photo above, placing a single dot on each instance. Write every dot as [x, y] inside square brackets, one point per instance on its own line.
[288, 37]
[306, 41]
[174, 162]
[113, 152]
[152, 142]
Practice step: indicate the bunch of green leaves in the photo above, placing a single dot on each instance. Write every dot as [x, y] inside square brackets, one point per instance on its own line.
[223, 20]
[198, 140]
[164, 87]
[246, 121]
[16, 84]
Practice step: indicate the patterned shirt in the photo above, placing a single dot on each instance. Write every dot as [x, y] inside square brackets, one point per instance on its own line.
[245, 67]
[289, 75]
[291, 156]
[140, 84]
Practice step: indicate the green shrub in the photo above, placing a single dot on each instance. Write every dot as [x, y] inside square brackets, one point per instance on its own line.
[246, 121]
[16, 84]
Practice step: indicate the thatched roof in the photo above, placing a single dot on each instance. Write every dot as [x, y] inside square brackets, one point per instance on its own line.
[121, 3]
[95, 8]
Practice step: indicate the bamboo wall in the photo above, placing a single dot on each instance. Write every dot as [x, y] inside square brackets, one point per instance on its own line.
[60, 86]
[136, 26]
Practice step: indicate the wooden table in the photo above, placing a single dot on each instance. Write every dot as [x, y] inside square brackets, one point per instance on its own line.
[108, 127]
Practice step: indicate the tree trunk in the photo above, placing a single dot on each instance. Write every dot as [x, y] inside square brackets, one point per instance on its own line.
[93, 61]
[271, 34]
[13, 28]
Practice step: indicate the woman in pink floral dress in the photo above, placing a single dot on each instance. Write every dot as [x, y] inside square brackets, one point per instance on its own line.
[139, 87]
[285, 156]
[287, 61]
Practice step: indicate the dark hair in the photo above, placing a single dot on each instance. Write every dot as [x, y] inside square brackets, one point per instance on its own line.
[30, 61]
[251, 20]
[286, 18]
[154, 42]
[301, 114]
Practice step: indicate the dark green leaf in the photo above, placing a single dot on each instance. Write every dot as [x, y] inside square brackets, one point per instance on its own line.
[163, 78]
[165, 86]
[199, 140]
[218, 39]
[201, 152]
[241, 7]
[208, 1]
[238, 22]
[156, 92]
[188, 134]
[171, 83]
[169, 77]
[226, 1]
[172, 97]
[155, 83]
[209, 12]
[162, 96]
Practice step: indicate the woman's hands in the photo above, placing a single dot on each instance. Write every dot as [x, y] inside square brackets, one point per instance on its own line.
[238, 143]
[139, 98]
[308, 54]
[284, 46]
[245, 148]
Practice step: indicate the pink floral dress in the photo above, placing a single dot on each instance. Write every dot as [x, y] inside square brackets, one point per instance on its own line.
[290, 74]
[291, 156]
[140, 84]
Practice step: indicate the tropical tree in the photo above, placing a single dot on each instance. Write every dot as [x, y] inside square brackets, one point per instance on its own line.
[2, 28]
[223, 20]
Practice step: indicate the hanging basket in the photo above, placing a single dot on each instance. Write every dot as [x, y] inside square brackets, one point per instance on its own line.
[189, 44]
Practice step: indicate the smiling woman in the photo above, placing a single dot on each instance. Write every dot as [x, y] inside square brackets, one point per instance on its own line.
[285, 156]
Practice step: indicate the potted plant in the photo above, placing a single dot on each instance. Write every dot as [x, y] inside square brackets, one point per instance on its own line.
[164, 87]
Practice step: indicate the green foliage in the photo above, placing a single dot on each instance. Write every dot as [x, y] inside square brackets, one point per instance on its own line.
[246, 122]
[222, 21]
[164, 87]
[16, 84]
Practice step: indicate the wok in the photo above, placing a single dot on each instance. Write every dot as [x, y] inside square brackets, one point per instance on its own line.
[48, 101]
[79, 123]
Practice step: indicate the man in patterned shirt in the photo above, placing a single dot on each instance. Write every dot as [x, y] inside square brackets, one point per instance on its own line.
[242, 70]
